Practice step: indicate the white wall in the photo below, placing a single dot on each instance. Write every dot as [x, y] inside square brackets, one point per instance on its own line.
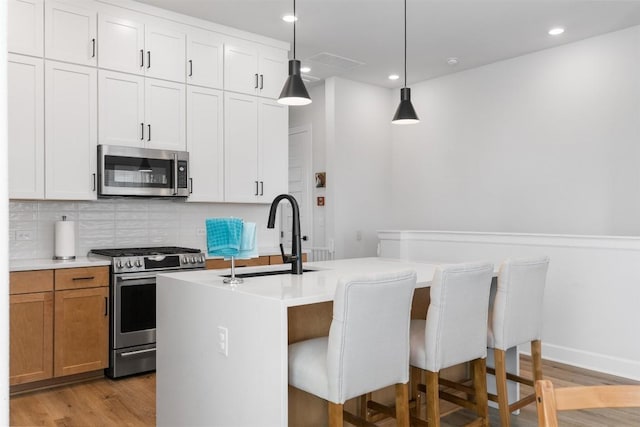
[113, 223]
[358, 138]
[543, 143]
[4, 255]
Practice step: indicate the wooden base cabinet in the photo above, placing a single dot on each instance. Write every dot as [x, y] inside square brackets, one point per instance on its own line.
[31, 337]
[81, 331]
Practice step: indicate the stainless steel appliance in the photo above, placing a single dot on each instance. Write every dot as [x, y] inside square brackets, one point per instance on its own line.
[132, 332]
[132, 171]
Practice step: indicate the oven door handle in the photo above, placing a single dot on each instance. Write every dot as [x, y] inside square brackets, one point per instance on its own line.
[126, 279]
[133, 353]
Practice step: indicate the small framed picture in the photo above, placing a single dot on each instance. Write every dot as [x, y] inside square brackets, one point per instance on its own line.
[320, 200]
[321, 179]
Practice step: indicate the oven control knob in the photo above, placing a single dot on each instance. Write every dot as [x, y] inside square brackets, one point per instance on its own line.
[185, 260]
[201, 260]
[119, 264]
[193, 260]
[138, 263]
[128, 264]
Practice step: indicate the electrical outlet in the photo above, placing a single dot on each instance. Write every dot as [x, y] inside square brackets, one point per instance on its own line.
[223, 340]
[200, 232]
[24, 235]
[359, 235]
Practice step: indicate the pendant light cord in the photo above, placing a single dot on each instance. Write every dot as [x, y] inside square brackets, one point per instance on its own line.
[295, 18]
[405, 41]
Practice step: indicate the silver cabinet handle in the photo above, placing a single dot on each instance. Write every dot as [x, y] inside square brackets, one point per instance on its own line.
[175, 174]
[133, 353]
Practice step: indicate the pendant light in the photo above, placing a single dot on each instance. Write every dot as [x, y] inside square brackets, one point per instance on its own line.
[294, 92]
[405, 114]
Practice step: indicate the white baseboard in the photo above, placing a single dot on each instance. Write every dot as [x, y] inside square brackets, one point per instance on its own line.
[611, 365]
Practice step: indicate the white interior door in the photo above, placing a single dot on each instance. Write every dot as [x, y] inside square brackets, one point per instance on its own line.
[300, 174]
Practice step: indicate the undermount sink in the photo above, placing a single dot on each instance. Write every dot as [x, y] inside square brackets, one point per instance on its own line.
[268, 273]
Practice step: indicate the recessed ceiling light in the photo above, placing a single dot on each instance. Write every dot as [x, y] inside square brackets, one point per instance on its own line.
[556, 31]
[289, 18]
[452, 61]
[394, 77]
[305, 69]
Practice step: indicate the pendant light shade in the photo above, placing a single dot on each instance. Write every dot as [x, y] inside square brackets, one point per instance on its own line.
[294, 92]
[405, 114]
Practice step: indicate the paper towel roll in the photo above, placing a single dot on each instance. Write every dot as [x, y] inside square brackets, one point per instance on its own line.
[65, 240]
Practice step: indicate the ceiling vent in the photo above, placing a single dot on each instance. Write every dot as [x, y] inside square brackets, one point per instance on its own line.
[334, 61]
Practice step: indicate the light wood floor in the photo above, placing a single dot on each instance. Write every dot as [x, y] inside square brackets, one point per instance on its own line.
[131, 402]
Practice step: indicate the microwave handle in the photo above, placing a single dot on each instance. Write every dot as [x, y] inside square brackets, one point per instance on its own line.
[175, 174]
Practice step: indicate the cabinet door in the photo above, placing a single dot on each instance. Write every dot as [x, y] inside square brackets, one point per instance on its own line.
[166, 53]
[273, 67]
[205, 58]
[81, 331]
[26, 127]
[30, 337]
[25, 27]
[240, 67]
[70, 32]
[240, 148]
[273, 149]
[120, 109]
[70, 131]
[205, 144]
[121, 44]
[165, 115]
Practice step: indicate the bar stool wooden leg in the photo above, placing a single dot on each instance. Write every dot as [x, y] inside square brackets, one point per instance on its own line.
[433, 400]
[536, 357]
[416, 378]
[335, 415]
[402, 405]
[364, 410]
[501, 387]
[479, 367]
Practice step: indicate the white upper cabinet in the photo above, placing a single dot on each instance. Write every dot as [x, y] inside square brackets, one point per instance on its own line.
[273, 149]
[205, 144]
[71, 31]
[256, 149]
[25, 78]
[140, 112]
[120, 109]
[253, 69]
[205, 59]
[121, 44]
[132, 46]
[165, 115]
[70, 131]
[25, 27]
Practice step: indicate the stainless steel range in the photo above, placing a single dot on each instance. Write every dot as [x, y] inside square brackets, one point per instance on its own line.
[132, 335]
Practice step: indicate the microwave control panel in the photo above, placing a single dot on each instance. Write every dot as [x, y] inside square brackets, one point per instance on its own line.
[182, 174]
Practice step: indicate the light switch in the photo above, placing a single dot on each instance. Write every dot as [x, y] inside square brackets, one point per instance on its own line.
[223, 340]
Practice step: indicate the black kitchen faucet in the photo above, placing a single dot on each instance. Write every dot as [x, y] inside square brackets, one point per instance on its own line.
[296, 245]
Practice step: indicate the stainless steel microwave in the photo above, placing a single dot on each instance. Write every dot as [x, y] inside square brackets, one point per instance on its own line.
[143, 172]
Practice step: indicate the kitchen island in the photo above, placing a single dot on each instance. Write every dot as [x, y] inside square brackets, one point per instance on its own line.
[222, 350]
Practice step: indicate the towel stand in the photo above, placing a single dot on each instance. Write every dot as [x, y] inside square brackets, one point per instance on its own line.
[233, 280]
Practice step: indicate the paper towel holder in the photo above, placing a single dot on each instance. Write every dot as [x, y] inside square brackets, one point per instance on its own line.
[64, 258]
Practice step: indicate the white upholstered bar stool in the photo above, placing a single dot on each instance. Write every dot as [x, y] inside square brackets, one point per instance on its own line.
[367, 347]
[454, 332]
[516, 318]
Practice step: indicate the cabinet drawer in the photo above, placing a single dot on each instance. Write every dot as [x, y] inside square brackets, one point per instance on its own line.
[25, 282]
[77, 278]
[216, 264]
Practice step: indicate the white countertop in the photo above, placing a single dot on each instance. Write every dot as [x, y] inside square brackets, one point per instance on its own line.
[310, 287]
[47, 263]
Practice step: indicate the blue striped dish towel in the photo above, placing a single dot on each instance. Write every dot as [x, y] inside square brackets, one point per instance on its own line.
[224, 236]
[249, 241]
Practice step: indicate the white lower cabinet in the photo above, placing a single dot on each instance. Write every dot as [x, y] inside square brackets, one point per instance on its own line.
[25, 99]
[205, 144]
[70, 131]
[256, 149]
[140, 112]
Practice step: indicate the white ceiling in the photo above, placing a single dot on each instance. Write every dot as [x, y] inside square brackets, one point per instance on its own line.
[477, 32]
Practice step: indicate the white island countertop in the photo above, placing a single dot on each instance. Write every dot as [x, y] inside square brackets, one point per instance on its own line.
[310, 287]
